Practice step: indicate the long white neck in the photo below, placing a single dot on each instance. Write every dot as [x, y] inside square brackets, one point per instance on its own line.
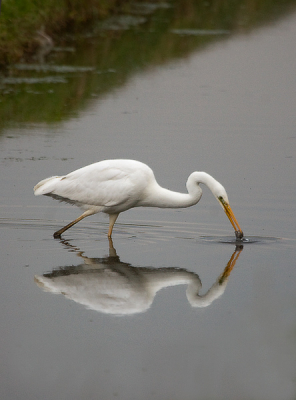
[158, 196]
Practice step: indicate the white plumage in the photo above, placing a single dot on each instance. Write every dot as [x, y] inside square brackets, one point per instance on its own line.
[104, 184]
[114, 186]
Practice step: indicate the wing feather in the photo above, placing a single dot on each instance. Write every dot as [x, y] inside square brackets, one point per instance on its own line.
[104, 184]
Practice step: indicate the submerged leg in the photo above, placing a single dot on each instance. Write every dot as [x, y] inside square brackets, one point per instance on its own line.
[58, 233]
[112, 251]
[112, 219]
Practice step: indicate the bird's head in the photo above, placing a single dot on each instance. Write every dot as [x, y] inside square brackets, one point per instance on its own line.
[220, 193]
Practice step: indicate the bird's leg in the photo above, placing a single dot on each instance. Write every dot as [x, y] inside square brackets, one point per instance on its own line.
[112, 219]
[58, 233]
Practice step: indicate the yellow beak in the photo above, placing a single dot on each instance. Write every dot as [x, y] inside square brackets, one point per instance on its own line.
[228, 211]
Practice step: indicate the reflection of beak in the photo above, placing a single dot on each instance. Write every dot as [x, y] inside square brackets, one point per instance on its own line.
[230, 265]
[232, 219]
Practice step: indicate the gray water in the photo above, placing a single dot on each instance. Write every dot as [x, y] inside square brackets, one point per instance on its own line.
[120, 324]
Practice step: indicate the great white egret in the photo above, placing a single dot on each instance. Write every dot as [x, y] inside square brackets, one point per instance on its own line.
[114, 186]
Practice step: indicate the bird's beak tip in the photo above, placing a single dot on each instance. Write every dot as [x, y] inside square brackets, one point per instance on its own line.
[239, 235]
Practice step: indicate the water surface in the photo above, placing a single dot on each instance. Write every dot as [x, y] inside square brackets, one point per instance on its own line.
[228, 109]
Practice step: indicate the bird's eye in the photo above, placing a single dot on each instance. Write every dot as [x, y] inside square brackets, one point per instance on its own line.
[220, 198]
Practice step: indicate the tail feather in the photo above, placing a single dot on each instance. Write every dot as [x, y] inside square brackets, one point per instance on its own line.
[46, 185]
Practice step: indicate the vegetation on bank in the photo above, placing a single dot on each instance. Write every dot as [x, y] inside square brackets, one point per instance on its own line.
[21, 19]
[54, 90]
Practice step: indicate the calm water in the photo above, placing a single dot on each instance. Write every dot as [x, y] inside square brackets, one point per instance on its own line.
[133, 321]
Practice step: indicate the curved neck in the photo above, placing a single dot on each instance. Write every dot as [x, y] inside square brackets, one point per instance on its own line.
[204, 300]
[202, 177]
[163, 198]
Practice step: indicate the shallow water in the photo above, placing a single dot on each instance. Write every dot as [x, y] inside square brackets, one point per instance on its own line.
[174, 307]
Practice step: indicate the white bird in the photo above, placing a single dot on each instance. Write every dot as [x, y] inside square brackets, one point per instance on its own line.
[114, 186]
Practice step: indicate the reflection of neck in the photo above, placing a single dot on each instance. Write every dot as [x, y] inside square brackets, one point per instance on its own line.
[206, 299]
[217, 289]
[164, 277]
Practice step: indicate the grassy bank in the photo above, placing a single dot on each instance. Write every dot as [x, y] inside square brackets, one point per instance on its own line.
[115, 56]
[20, 19]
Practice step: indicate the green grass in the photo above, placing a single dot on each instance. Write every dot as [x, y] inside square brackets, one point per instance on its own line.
[20, 19]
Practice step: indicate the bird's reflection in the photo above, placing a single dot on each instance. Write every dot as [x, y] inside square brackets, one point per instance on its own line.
[111, 286]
